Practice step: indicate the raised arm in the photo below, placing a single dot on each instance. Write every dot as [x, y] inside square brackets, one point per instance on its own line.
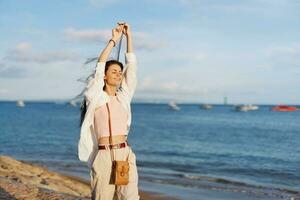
[116, 35]
[127, 33]
[129, 81]
[96, 84]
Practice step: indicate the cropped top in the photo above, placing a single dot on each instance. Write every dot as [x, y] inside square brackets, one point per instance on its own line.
[118, 117]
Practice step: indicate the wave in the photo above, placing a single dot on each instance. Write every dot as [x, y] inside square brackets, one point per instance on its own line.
[234, 182]
[223, 184]
[286, 176]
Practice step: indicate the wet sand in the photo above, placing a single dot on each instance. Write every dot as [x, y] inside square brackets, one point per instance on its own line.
[23, 180]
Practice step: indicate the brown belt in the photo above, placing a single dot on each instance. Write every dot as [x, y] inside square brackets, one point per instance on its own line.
[114, 146]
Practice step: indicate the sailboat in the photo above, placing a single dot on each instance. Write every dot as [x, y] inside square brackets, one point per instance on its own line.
[73, 103]
[20, 103]
[174, 106]
[245, 108]
[206, 106]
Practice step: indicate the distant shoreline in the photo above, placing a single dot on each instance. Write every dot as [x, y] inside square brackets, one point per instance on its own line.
[65, 101]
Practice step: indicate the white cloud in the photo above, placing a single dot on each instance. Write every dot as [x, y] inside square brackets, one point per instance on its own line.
[23, 53]
[171, 86]
[24, 62]
[145, 83]
[142, 41]
[12, 72]
[23, 47]
[154, 86]
[238, 5]
[46, 57]
[293, 50]
[265, 67]
[194, 56]
[3, 91]
[87, 35]
[287, 56]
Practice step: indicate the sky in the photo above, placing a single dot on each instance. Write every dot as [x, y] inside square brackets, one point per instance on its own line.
[196, 51]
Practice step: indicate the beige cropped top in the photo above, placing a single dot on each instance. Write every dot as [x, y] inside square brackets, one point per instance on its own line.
[118, 116]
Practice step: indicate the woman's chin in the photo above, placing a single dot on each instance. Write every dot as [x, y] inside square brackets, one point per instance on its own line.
[117, 84]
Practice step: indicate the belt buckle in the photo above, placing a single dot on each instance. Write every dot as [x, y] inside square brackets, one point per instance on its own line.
[115, 146]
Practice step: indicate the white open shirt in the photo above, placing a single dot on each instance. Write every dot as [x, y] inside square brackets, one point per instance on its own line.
[95, 97]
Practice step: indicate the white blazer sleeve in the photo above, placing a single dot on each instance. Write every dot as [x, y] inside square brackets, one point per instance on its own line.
[129, 81]
[96, 84]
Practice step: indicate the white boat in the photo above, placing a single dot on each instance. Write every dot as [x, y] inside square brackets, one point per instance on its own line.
[20, 103]
[174, 106]
[245, 108]
[241, 108]
[253, 107]
[73, 103]
[206, 106]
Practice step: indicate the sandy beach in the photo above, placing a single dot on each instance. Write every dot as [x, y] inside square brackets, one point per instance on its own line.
[27, 181]
[22, 180]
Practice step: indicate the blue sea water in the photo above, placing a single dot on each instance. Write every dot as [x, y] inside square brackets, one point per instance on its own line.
[256, 152]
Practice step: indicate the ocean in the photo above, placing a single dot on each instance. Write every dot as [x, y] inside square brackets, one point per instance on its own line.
[253, 153]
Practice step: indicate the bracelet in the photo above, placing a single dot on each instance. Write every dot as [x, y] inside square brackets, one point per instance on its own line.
[113, 41]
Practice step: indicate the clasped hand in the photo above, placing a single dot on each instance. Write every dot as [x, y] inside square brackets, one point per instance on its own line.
[121, 28]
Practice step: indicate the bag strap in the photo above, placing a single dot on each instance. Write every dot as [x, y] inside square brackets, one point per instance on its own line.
[110, 134]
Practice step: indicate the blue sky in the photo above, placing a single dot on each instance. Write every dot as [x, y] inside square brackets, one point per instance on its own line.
[188, 50]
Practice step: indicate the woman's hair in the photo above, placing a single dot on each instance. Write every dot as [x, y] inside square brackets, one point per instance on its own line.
[83, 107]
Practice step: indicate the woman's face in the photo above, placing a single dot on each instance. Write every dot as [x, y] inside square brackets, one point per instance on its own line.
[113, 75]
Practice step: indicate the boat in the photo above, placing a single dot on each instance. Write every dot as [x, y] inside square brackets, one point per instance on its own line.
[20, 103]
[174, 106]
[252, 107]
[206, 106]
[245, 108]
[72, 103]
[284, 108]
[241, 108]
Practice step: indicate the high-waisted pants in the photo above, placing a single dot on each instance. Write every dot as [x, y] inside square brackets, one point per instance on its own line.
[100, 173]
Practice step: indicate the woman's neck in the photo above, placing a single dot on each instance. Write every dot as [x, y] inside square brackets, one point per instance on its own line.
[110, 90]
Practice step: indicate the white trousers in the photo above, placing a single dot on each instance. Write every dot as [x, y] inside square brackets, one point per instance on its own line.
[101, 174]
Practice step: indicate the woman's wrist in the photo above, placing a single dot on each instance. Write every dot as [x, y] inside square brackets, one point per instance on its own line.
[113, 41]
[114, 38]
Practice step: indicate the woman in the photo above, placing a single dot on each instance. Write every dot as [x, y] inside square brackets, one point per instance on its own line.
[113, 86]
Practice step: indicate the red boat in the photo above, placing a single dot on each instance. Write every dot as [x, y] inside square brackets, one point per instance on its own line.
[283, 108]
